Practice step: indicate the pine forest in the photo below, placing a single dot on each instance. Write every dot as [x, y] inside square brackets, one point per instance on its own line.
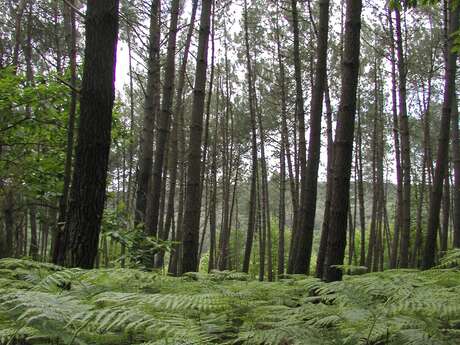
[238, 172]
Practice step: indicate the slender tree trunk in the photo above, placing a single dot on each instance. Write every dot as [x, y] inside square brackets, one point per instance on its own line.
[92, 153]
[419, 225]
[305, 233]
[362, 213]
[132, 142]
[213, 206]
[60, 239]
[261, 231]
[282, 207]
[329, 174]
[284, 127]
[164, 183]
[405, 147]
[208, 103]
[396, 132]
[264, 195]
[149, 116]
[254, 175]
[443, 144]
[20, 8]
[191, 225]
[163, 122]
[456, 163]
[172, 166]
[343, 149]
[179, 123]
[8, 216]
[33, 250]
[445, 214]
[302, 156]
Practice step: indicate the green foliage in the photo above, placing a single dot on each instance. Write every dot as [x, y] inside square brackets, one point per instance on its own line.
[33, 118]
[43, 304]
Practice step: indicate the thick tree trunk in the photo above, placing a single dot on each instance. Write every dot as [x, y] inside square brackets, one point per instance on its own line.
[443, 143]
[91, 160]
[191, 225]
[343, 148]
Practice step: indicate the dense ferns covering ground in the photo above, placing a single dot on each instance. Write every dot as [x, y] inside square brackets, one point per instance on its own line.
[45, 304]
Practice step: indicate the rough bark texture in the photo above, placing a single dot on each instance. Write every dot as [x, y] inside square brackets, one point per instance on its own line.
[343, 148]
[443, 144]
[305, 232]
[91, 160]
[192, 210]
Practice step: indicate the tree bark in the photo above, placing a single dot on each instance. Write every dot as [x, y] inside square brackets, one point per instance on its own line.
[405, 147]
[179, 123]
[149, 116]
[163, 122]
[443, 143]
[60, 238]
[254, 174]
[456, 163]
[33, 250]
[343, 148]
[92, 152]
[329, 174]
[307, 215]
[445, 214]
[191, 225]
[396, 139]
[302, 156]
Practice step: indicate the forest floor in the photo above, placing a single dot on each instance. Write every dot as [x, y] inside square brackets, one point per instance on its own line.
[46, 304]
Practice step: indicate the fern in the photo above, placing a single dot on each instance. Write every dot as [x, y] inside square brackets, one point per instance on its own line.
[44, 304]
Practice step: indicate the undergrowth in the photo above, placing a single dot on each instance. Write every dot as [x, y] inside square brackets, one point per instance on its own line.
[46, 304]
